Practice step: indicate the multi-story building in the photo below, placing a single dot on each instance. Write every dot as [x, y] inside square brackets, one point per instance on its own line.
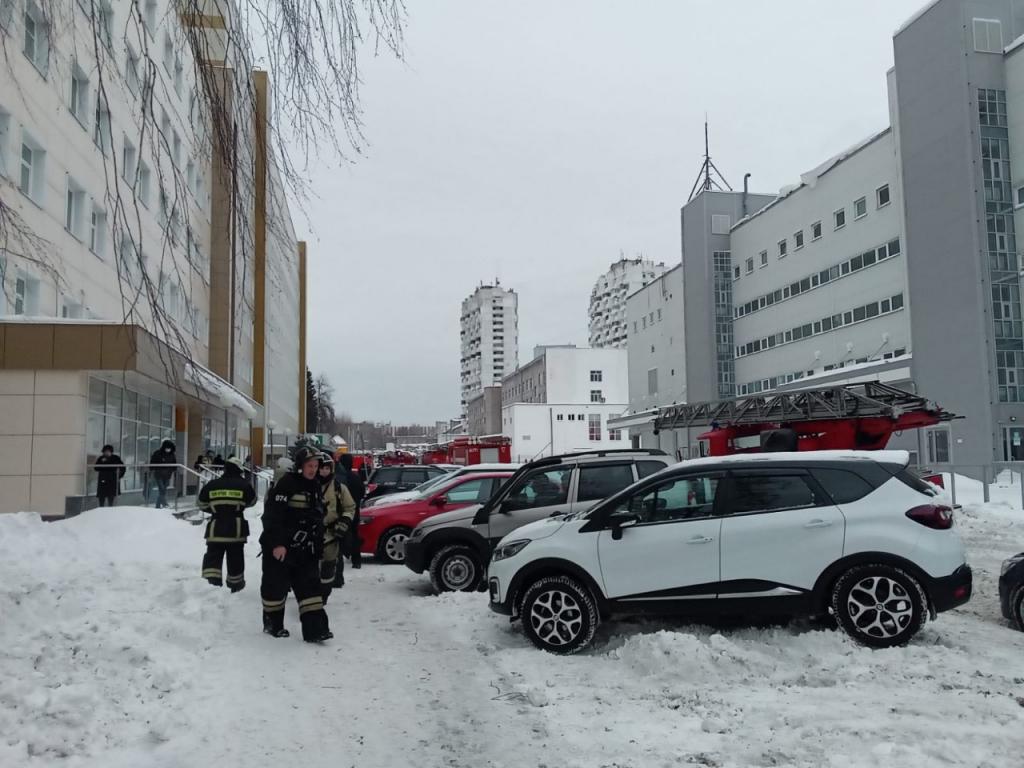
[680, 325]
[489, 339]
[483, 413]
[152, 285]
[607, 312]
[819, 275]
[562, 400]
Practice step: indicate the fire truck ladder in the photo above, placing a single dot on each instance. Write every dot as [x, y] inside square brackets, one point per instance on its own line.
[846, 401]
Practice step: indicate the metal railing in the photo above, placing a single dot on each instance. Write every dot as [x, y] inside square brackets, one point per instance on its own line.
[174, 486]
[999, 482]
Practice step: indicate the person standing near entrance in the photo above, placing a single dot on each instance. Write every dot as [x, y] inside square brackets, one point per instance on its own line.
[226, 498]
[293, 543]
[163, 461]
[109, 471]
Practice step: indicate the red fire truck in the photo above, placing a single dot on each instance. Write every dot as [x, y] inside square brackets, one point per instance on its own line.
[470, 450]
[850, 416]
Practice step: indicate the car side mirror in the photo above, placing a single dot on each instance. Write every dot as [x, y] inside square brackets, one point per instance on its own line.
[620, 521]
[439, 501]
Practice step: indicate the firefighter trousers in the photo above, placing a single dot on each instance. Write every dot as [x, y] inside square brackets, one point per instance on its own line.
[299, 574]
[332, 568]
[213, 560]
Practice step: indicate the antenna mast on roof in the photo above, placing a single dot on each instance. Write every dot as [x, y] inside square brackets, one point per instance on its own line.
[709, 177]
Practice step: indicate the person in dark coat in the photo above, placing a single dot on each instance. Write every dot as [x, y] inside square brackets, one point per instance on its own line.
[218, 462]
[109, 471]
[226, 498]
[163, 461]
[354, 482]
[293, 544]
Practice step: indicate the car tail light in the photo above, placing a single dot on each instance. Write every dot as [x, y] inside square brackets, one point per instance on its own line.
[938, 480]
[935, 516]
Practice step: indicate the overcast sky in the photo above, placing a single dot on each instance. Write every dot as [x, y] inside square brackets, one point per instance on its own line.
[535, 140]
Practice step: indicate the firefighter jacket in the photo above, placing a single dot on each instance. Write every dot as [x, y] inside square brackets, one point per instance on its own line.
[293, 517]
[226, 499]
[339, 510]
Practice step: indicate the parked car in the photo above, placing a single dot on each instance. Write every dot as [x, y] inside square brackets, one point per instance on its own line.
[395, 478]
[384, 529]
[434, 481]
[854, 534]
[455, 546]
[1011, 590]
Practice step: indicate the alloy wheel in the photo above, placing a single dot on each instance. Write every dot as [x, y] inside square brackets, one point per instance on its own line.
[556, 617]
[880, 607]
[394, 547]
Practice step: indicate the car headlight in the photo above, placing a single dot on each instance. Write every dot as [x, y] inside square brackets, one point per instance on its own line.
[511, 549]
[1008, 564]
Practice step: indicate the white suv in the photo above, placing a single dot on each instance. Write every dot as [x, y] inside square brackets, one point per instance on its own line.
[852, 534]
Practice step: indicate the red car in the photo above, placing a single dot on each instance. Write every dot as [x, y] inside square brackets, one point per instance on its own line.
[384, 529]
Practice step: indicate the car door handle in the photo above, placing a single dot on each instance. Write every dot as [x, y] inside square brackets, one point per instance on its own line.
[818, 524]
[700, 540]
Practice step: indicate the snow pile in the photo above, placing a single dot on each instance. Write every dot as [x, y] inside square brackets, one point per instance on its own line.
[116, 654]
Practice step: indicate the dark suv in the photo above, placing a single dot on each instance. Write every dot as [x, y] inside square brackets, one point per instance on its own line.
[385, 480]
[456, 546]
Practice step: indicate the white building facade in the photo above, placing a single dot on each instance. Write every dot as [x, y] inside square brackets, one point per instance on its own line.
[136, 270]
[820, 275]
[562, 400]
[489, 338]
[607, 311]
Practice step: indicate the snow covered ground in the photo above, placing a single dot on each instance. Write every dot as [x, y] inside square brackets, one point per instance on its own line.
[114, 653]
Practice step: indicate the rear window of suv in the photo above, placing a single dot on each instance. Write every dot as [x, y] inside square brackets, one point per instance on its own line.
[844, 487]
[385, 475]
[907, 477]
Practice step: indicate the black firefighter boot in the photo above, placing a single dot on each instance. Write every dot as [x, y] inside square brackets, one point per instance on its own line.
[273, 625]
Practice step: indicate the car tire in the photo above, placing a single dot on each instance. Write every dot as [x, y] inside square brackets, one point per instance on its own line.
[1017, 608]
[456, 568]
[390, 546]
[878, 605]
[559, 615]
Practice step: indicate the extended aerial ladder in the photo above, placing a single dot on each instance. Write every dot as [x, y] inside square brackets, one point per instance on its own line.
[859, 416]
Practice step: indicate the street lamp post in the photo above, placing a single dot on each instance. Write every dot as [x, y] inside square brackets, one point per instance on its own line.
[271, 425]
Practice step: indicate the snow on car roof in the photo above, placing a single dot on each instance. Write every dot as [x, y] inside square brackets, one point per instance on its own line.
[886, 457]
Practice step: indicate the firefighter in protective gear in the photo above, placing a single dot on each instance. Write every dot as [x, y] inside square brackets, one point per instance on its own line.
[226, 498]
[293, 542]
[339, 515]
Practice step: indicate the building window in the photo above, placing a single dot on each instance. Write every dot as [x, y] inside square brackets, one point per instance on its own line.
[559, 417]
[33, 163]
[149, 16]
[839, 217]
[74, 206]
[101, 133]
[882, 196]
[79, 102]
[26, 295]
[596, 376]
[5, 132]
[988, 36]
[750, 265]
[652, 381]
[572, 417]
[783, 245]
[97, 231]
[720, 224]
[595, 396]
[614, 435]
[860, 208]
[736, 273]
[816, 230]
[992, 107]
[104, 22]
[131, 71]
[142, 188]
[798, 240]
[128, 161]
[36, 45]
[176, 149]
[168, 53]
[179, 71]
[764, 258]
[594, 427]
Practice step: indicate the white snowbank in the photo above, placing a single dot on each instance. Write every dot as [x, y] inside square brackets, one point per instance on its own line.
[116, 654]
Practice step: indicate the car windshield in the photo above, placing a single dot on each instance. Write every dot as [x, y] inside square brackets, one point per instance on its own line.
[424, 489]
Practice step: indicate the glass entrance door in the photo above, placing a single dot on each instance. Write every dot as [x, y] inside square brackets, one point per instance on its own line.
[1013, 444]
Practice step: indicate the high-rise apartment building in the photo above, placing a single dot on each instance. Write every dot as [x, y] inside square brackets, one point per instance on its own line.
[490, 339]
[607, 312]
[152, 285]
